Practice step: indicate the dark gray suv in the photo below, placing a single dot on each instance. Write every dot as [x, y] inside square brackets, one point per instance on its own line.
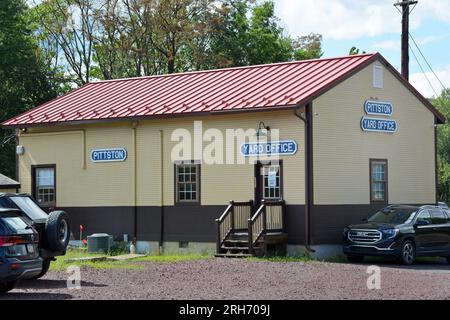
[19, 254]
[53, 228]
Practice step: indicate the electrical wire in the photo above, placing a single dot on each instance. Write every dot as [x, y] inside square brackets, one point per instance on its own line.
[426, 61]
[423, 71]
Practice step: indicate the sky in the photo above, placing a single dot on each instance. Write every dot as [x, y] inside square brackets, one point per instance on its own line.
[375, 26]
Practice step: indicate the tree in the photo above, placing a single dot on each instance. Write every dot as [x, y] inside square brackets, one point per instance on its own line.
[70, 26]
[245, 33]
[353, 51]
[23, 78]
[442, 103]
[308, 47]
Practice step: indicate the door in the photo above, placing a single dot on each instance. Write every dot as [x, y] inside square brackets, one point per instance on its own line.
[441, 229]
[268, 182]
[425, 237]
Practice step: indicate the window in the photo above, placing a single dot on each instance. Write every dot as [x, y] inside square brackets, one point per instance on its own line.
[271, 179]
[378, 77]
[44, 190]
[439, 217]
[187, 182]
[424, 215]
[378, 181]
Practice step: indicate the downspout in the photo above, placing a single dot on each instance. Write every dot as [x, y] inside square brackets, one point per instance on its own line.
[161, 233]
[306, 117]
[133, 130]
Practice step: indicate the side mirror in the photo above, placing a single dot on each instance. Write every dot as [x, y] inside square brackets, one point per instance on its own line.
[364, 220]
[422, 222]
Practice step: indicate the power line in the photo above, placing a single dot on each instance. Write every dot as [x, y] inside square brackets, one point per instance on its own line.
[426, 61]
[423, 71]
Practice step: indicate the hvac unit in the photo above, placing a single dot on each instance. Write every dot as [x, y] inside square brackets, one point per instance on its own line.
[99, 242]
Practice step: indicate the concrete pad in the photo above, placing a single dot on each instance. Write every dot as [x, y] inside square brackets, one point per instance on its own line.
[86, 259]
[125, 257]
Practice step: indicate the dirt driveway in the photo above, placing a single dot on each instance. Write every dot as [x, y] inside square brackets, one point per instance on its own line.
[244, 279]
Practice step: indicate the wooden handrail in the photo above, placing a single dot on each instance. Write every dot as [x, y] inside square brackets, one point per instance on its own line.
[232, 219]
[259, 224]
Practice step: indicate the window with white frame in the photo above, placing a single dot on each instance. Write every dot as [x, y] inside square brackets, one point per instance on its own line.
[271, 179]
[44, 185]
[378, 180]
[187, 181]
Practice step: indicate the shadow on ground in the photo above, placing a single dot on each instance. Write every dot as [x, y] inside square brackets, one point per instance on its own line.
[52, 284]
[35, 296]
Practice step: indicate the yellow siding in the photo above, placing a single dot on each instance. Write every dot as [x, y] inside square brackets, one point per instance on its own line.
[112, 184]
[342, 150]
[8, 190]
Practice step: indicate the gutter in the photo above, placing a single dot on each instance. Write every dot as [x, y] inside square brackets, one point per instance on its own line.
[306, 117]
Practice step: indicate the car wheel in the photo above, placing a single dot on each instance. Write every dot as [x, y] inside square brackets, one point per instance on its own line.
[7, 286]
[45, 267]
[355, 259]
[57, 231]
[408, 253]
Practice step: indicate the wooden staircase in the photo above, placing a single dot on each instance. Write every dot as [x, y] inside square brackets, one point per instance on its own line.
[242, 233]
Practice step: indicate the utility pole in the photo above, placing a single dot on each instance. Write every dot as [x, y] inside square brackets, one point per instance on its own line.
[405, 4]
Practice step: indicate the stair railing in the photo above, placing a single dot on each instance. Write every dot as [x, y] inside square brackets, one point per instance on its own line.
[270, 217]
[233, 219]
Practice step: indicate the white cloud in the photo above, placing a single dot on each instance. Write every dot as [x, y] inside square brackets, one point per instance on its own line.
[387, 45]
[419, 81]
[353, 19]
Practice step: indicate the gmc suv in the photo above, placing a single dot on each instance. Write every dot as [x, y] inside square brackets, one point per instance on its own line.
[400, 231]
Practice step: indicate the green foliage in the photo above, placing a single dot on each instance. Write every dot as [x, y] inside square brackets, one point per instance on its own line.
[354, 50]
[442, 103]
[23, 79]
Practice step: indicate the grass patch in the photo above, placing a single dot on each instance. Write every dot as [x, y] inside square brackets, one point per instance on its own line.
[63, 262]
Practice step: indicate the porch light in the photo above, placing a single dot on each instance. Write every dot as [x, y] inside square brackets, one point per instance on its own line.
[263, 130]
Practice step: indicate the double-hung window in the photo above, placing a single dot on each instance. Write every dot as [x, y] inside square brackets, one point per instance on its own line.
[44, 185]
[378, 180]
[187, 182]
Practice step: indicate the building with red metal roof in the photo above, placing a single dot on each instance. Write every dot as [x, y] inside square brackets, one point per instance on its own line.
[323, 142]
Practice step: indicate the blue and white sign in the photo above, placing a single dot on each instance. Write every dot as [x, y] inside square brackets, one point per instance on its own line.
[378, 125]
[283, 148]
[109, 155]
[378, 108]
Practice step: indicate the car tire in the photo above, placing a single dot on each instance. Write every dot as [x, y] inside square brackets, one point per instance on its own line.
[57, 231]
[355, 259]
[45, 267]
[408, 252]
[7, 286]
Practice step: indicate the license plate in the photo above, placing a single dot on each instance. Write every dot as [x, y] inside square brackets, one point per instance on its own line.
[30, 248]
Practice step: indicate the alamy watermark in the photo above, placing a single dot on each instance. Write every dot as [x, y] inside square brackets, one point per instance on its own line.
[215, 146]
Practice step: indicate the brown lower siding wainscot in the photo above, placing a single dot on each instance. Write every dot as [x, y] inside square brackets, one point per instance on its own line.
[190, 223]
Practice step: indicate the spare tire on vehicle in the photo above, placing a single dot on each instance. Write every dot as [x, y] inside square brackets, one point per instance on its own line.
[57, 231]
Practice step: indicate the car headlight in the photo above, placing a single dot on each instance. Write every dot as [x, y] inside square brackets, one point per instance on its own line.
[346, 229]
[391, 233]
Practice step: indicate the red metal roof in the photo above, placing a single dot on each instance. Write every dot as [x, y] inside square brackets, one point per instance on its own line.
[244, 88]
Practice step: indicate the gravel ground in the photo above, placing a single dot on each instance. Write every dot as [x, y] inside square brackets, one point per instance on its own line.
[244, 279]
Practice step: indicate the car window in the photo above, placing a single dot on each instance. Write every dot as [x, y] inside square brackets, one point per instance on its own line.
[6, 203]
[395, 215]
[439, 217]
[11, 224]
[425, 215]
[29, 207]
